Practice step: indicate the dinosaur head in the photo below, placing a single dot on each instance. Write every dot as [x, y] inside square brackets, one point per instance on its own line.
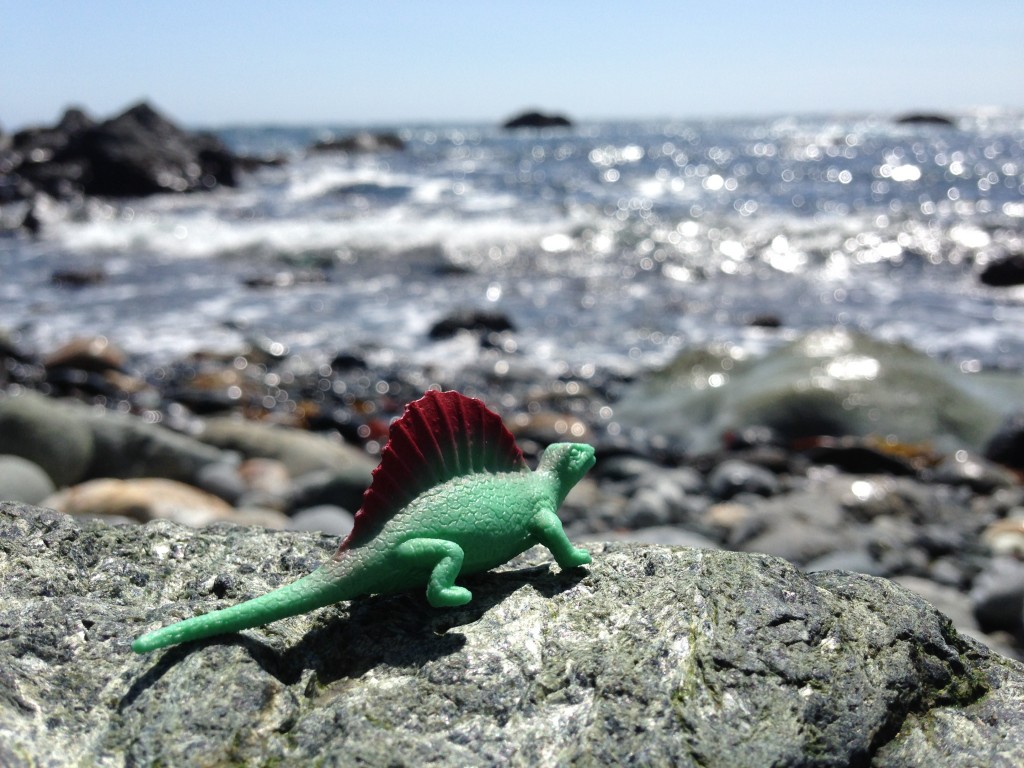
[568, 462]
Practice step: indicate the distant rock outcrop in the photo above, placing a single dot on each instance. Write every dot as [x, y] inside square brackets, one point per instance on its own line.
[360, 143]
[651, 655]
[537, 120]
[925, 118]
[137, 153]
[1004, 271]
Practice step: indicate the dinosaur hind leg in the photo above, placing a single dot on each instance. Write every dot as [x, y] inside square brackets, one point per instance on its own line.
[445, 558]
[546, 528]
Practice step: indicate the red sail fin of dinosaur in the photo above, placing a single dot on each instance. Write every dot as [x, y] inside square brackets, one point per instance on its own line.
[441, 436]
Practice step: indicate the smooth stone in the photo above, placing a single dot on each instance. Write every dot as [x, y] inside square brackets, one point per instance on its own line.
[662, 535]
[997, 596]
[733, 477]
[142, 499]
[301, 452]
[977, 473]
[221, 478]
[324, 518]
[1006, 537]
[95, 353]
[50, 433]
[855, 560]
[798, 542]
[333, 487]
[128, 447]
[829, 382]
[1006, 445]
[23, 480]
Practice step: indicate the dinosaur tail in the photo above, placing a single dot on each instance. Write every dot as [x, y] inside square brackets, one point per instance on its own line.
[316, 590]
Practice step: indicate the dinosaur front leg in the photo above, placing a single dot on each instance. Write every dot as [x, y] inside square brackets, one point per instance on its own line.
[445, 558]
[546, 528]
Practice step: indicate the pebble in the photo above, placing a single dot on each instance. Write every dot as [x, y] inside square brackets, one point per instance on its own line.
[48, 433]
[142, 499]
[324, 518]
[300, 452]
[733, 477]
[23, 480]
[997, 596]
[665, 535]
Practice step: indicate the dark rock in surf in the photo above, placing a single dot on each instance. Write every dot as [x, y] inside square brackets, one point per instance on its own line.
[478, 321]
[1006, 446]
[361, 143]
[140, 152]
[925, 118]
[1004, 272]
[537, 120]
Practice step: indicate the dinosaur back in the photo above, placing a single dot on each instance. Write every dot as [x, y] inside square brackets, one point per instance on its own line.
[441, 436]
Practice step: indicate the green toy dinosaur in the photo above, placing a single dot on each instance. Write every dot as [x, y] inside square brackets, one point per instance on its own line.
[452, 494]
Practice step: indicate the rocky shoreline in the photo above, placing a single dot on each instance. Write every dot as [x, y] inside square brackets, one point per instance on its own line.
[266, 438]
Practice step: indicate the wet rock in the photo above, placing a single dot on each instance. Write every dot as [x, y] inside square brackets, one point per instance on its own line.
[1004, 272]
[325, 518]
[361, 143]
[980, 475]
[831, 382]
[546, 427]
[650, 655]
[925, 118]
[137, 153]
[301, 452]
[534, 119]
[855, 455]
[477, 321]
[997, 597]
[129, 447]
[95, 354]
[49, 433]
[23, 480]
[335, 487]
[286, 279]
[77, 278]
[733, 477]
[1006, 446]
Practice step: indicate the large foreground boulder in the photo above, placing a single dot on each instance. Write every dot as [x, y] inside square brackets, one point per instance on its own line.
[651, 655]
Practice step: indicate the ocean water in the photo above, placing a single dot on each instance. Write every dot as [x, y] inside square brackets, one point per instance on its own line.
[611, 244]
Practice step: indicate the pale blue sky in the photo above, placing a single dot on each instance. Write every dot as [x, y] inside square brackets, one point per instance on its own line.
[224, 61]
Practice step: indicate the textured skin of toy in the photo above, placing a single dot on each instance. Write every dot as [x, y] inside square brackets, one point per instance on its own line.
[452, 494]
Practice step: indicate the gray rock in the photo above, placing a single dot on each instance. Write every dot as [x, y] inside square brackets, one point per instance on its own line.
[339, 487]
[998, 596]
[856, 560]
[130, 447]
[325, 518]
[830, 382]
[651, 656]
[301, 452]
[47, 432]
[23, 480]
[733, 477]
[664, 535]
